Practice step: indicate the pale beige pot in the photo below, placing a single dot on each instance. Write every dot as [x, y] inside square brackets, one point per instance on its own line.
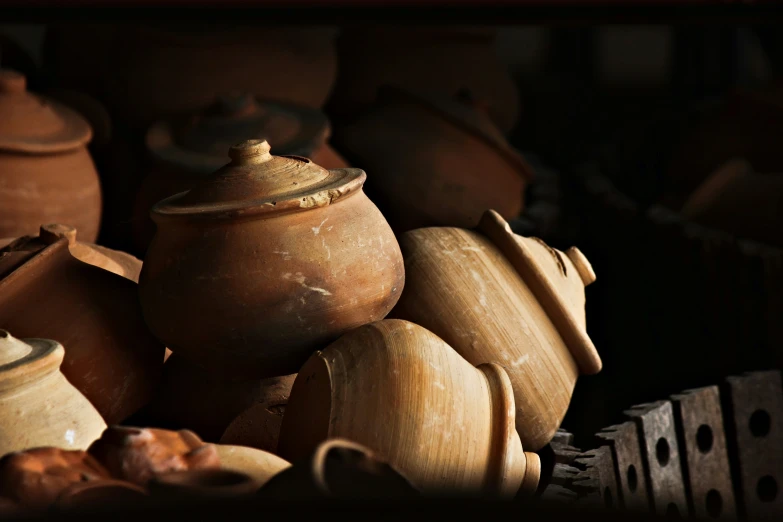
[38, 406]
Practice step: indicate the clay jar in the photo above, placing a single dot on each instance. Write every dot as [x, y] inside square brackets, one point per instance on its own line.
[47, 173]
[434, 161]
[187, 149]
[191, 397]
[38, 406]
[497, 297]
[265, 261]
[402, 392]
[111, 357]
[259, 465]
[439, 60]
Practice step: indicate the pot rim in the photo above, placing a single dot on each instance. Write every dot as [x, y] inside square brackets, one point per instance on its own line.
[44, 358]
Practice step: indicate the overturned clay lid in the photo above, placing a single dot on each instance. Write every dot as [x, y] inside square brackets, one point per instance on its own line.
[25, 360]
[256, 182]
[199, 143]
[33, 124]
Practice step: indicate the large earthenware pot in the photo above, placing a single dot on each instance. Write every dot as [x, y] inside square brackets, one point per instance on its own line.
[38, 406]
[497, 297]
[434, 161]
[265, 261]
[187, 149]
[111, 356]
[402, 392]
[47, 174]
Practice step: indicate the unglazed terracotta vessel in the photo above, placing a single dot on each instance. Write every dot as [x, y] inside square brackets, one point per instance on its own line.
[38, 406]
[187, 149]
[439, 60]
[100, 494]
[200, 484]
[111, 356]
[138, 454]
[47, 174]
[399, 390]
[259, 465]
[259, 425]
[265, 261]
[191, 397]
[37, 477]
[434, 161]
[339, 468]
[497, 297]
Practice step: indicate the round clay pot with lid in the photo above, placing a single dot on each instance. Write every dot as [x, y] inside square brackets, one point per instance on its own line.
[186, 150]
[38, 406]
[265, 261]
[48, 175]
[434, 161]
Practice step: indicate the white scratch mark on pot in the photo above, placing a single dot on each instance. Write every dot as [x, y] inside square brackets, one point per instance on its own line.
[286, 255]
[472, 249]
[522, 360]
[299, 278]
[317, 229]
[434, 366]
[70, 436]
[328, 250]
[438, 385]
[482, 288]
[329, 228]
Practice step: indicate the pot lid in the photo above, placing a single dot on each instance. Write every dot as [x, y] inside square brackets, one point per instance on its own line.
[256, 182]
[24, 360]
[199, 142]
[33, 124]
[465, 112]
[557, 280]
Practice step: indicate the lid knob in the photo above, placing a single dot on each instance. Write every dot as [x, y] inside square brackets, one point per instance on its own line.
[12, 349]
[250, 151]
[582, 265]
[12, 81]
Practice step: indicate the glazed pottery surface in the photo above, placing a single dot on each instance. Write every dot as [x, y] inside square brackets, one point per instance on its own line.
[139, 454]
[38, 406]
[111, 357]
[265, 261]
[47, 174]
[434, 161]
[497, 297]
[258, 465]
[399, 390]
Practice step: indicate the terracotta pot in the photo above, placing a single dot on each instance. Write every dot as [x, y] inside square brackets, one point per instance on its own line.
[100, 494]
[38, 406]
[339, 468]
[738, 200]
[111, 356]
[201, 484]
[256, 464]
[151, 72]
[440, 60]
[35, 478]
[193, 398]
[39, 141]
[138, 454]
[404, 393]
[265, 261]
[434, 161]
[497, 297]
[187, 149]
[259, 425]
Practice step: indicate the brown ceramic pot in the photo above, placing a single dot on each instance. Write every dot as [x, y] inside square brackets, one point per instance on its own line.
[37, 477]
[41, 141]
[434, 161]
[266, 260]
[257, 464]
[149, 73]
[100, 494]
[38, 406]
[187, 149]
[439, 60]
[191, 397]
[202, 484]
[258, 426]
[139, 454]
[111, 356]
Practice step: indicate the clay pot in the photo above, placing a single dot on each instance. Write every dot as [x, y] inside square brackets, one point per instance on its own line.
[434, 161]
[339, 468]
[738, 200]
[265, 261]
[152, 72]
[100, 494]
[38, 406]
[439, 60]
[256, 464]
[399, 390]
[497, 297]
[138, 454]
[258, 426]
[193, 398]
[111, 356]
[37, 477]
[39, 141]
[187, 149]
[202, 484]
